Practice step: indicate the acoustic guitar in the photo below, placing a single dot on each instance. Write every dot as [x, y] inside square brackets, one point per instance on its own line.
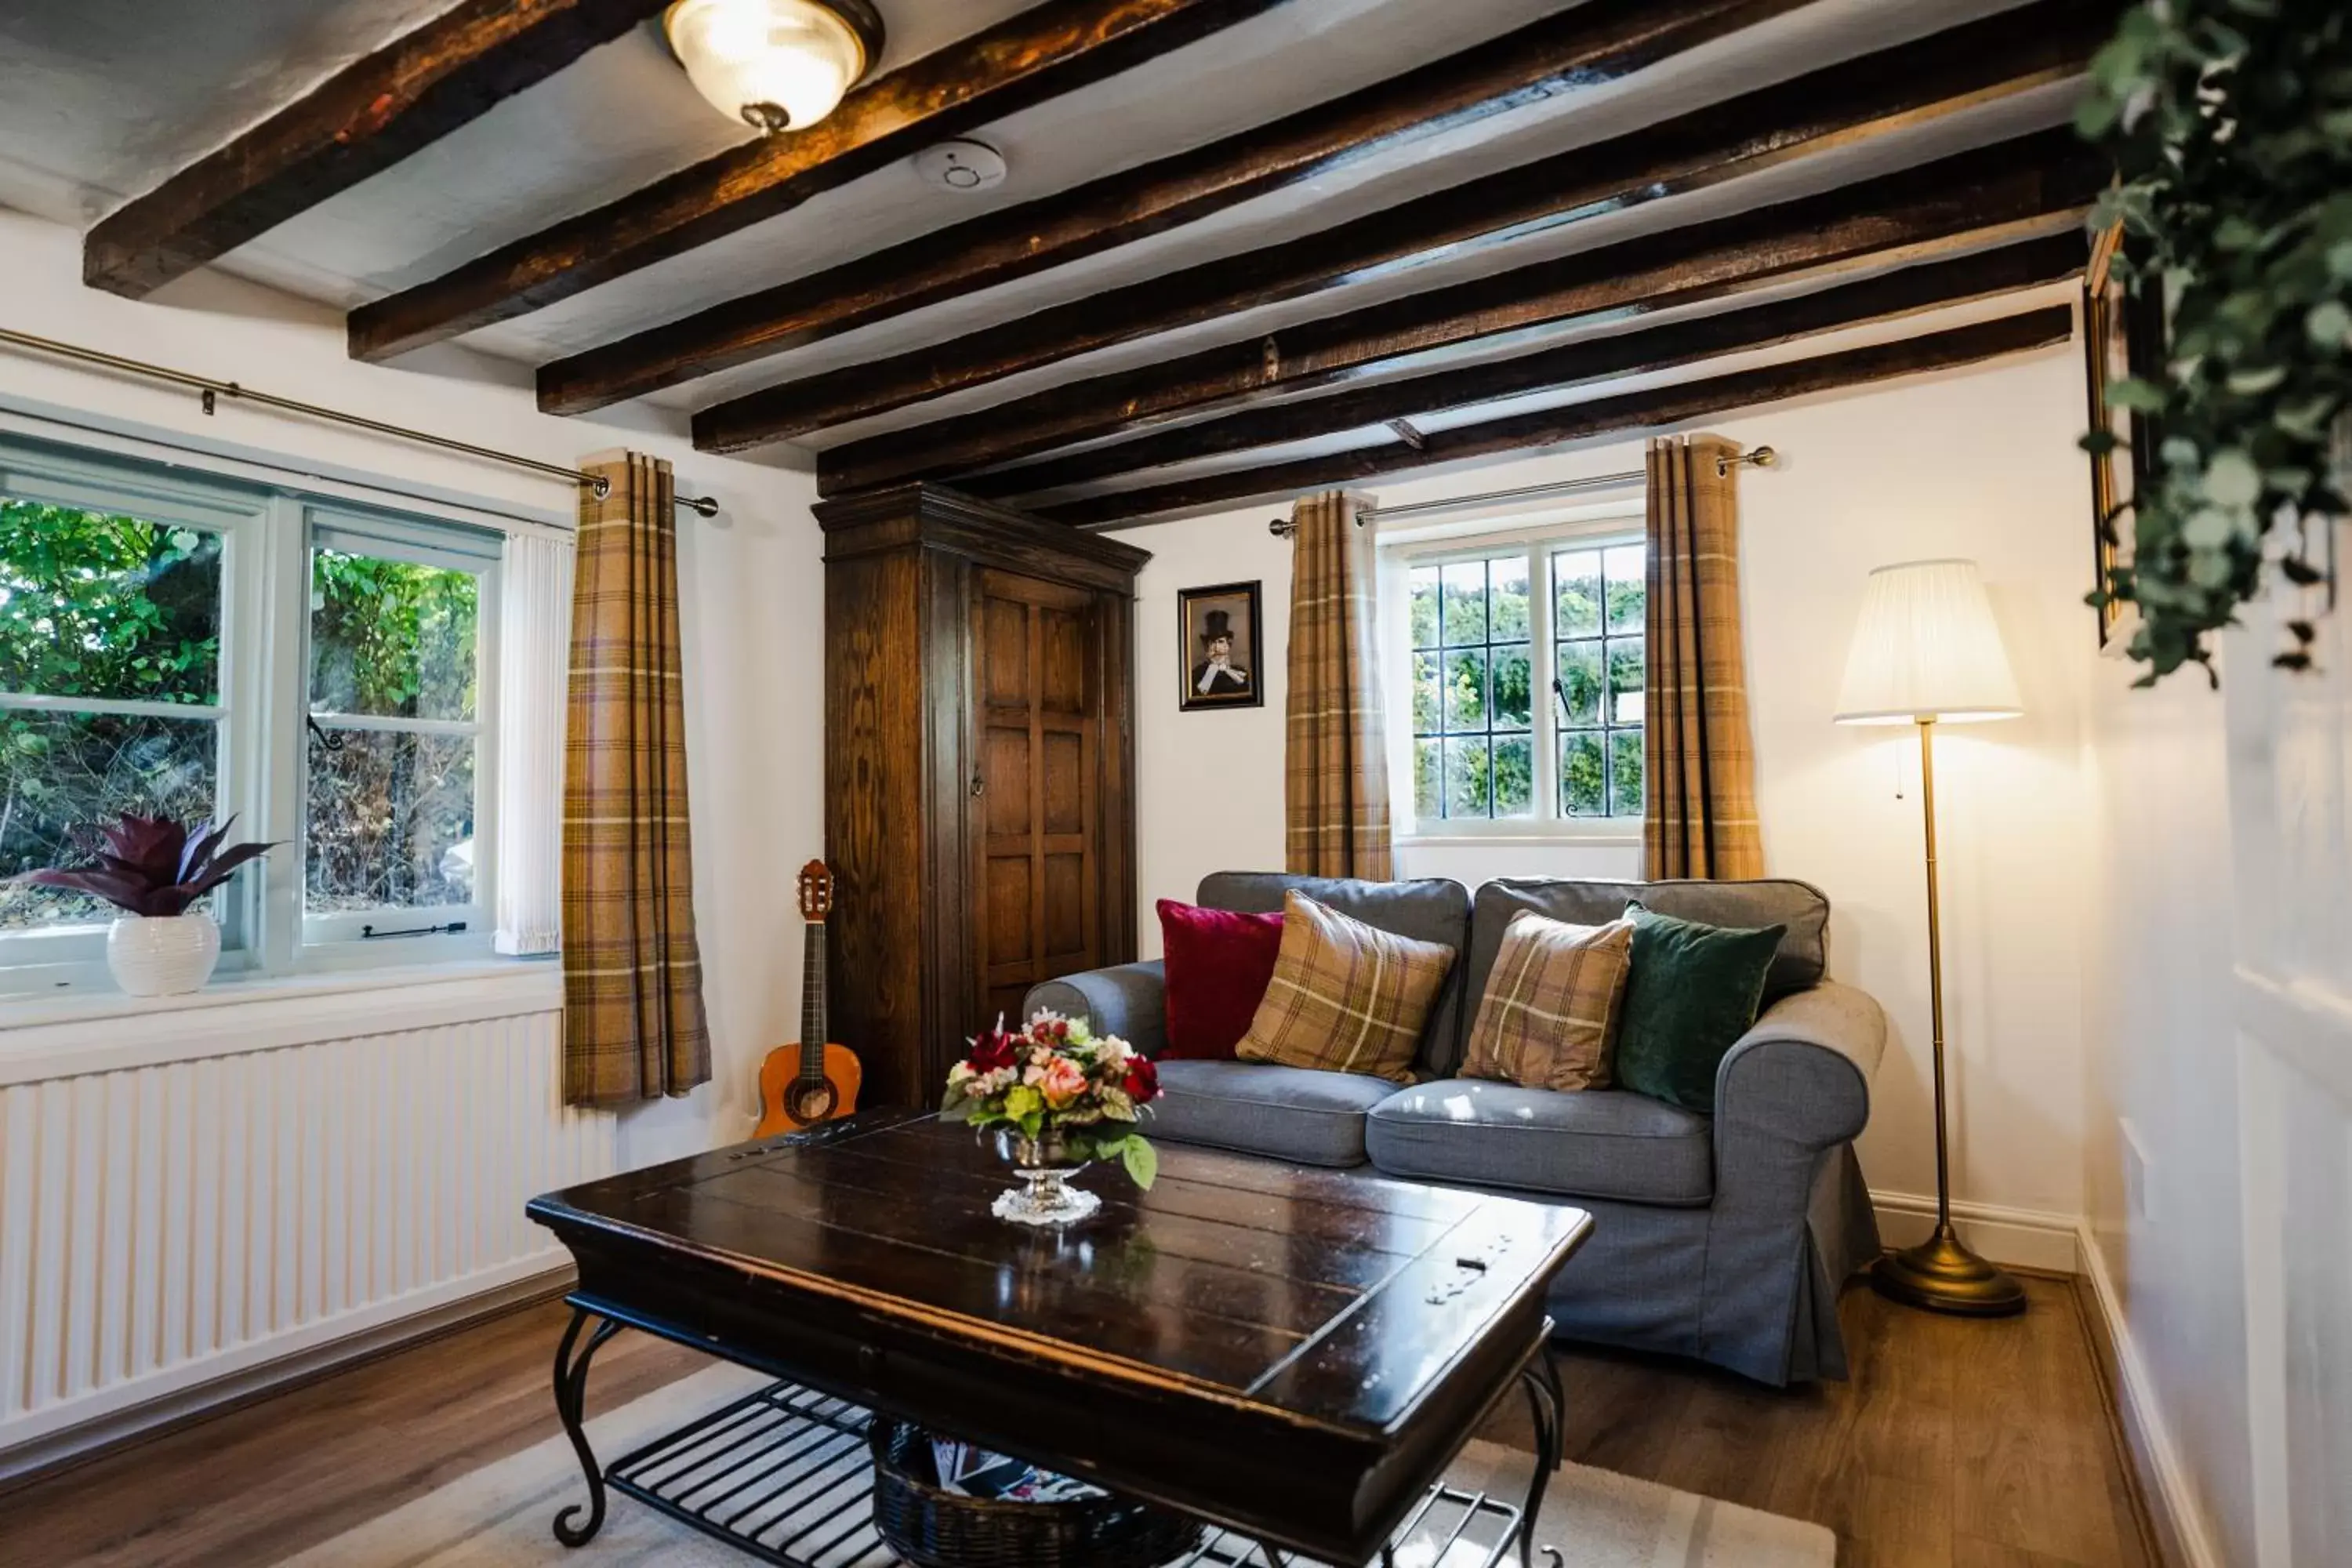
[812, 1080]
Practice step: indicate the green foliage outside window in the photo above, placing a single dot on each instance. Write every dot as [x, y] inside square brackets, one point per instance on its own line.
[104, 606]
[1474, 705]
[95, 604]
[391, 814]
[1474, 690]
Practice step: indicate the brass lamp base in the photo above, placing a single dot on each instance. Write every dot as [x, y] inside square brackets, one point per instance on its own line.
[1940, 1275]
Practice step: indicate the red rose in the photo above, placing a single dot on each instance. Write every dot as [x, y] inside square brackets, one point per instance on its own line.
[1142, 1080]
[993, 1049]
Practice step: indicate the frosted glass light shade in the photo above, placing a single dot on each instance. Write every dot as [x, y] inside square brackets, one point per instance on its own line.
[773, 64]
[1927, 646]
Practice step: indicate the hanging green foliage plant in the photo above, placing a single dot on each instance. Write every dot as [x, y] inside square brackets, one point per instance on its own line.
[2230, 124]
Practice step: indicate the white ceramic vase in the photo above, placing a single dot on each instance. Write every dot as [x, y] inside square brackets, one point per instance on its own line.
[163, 955]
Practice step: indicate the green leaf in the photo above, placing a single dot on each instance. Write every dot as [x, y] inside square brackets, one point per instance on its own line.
[2232, 481]
[1141, 1160]
[2328, 324]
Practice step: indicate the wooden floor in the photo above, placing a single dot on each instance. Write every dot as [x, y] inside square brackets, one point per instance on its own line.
[1966, 1445]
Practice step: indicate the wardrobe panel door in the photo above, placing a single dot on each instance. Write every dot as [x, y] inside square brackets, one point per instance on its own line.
[1037, 686]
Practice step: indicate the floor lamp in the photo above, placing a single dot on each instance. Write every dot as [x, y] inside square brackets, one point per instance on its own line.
[1927, 651]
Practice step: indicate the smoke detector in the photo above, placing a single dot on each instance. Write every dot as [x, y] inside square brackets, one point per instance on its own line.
[961, 166]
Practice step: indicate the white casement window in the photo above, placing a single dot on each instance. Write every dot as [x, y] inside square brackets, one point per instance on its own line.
[1516, 703]
[177, 645]
[403, 632]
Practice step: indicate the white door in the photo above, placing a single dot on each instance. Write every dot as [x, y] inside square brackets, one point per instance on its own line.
[2291, 804]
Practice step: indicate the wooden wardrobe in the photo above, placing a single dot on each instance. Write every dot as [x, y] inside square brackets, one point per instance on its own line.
[979, 773]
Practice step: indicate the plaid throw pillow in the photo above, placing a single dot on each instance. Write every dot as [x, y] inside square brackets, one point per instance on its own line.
[1548, 1019]
[1345, 997]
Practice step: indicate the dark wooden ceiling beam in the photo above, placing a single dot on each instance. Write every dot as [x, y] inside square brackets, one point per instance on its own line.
[2013, 190]
[1876, 95]
[1050, 49]
[1583, 45]
[1657, 408]
[359, 122]
[1985, 274]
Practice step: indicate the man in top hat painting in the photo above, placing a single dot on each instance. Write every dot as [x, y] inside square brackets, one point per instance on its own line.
[1217, 674]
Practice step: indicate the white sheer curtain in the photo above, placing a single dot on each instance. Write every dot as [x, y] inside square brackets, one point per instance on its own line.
[535, 637]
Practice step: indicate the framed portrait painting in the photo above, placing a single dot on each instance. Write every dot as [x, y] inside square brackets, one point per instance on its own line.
[1220, 632]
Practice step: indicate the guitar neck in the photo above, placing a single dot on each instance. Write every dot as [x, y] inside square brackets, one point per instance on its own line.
[813, 1022]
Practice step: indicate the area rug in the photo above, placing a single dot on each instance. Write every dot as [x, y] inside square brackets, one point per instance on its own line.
[498, 1516]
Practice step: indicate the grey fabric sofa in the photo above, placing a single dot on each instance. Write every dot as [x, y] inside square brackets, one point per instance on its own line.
[1726, 1238]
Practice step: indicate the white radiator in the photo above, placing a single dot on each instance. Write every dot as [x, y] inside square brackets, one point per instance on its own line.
[166, 1224]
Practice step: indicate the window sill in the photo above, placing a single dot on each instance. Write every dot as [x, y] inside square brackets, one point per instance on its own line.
[1566, 839]
[57, 1036]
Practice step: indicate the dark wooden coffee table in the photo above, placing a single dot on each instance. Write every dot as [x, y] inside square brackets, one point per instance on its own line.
[1293, 1355]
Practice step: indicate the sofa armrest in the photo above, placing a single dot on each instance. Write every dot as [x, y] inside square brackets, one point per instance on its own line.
[1130, 1001]
[1798, 1080]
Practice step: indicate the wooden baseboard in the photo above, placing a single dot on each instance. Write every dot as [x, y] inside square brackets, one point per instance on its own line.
[42, 1459]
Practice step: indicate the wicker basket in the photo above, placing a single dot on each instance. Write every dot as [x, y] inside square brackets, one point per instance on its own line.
[933, 1528]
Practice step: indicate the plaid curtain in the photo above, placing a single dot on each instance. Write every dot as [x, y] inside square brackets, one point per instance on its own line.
[1336, 781]
[632, 1019]
[1700, 759]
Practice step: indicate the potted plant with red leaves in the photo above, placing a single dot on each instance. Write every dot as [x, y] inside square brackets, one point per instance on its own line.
[154, 873]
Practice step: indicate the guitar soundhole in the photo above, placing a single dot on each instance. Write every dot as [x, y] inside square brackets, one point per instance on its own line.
[813, 1101]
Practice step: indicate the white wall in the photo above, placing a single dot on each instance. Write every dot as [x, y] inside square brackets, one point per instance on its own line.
[2219, 1148]
[1978, 463]
[752, 589]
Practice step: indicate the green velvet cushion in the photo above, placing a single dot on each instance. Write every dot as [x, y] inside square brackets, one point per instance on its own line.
[1694, 991]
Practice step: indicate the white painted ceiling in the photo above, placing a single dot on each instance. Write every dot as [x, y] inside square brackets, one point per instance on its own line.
[99, 99]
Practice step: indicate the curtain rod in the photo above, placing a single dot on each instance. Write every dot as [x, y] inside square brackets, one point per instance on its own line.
[1761, 457]
[211, 391]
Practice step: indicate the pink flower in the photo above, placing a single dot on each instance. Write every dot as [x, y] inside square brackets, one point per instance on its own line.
[1062, 1082]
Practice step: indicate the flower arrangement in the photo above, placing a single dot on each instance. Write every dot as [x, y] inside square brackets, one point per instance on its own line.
[1057, 1080]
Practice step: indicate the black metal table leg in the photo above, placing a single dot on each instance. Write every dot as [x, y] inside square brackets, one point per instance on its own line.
[571, 1405]
[1547, 1405]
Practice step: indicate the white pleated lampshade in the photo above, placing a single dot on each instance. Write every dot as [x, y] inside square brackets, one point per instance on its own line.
[1926, 647]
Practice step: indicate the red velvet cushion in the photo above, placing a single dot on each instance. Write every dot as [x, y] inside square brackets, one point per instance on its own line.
[1218, 966]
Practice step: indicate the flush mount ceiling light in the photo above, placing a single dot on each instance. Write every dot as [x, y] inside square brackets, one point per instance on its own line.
[777, 65]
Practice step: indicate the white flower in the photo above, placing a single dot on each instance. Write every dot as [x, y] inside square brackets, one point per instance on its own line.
[960, 1074]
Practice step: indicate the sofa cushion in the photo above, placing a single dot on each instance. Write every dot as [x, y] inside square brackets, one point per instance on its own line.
[1695, 990]
[1345, 997]
[1547, 1019]
[1282, 1114]
[1435, 909]
[1800, 962]
[1602, 1143]
[1219, 962]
